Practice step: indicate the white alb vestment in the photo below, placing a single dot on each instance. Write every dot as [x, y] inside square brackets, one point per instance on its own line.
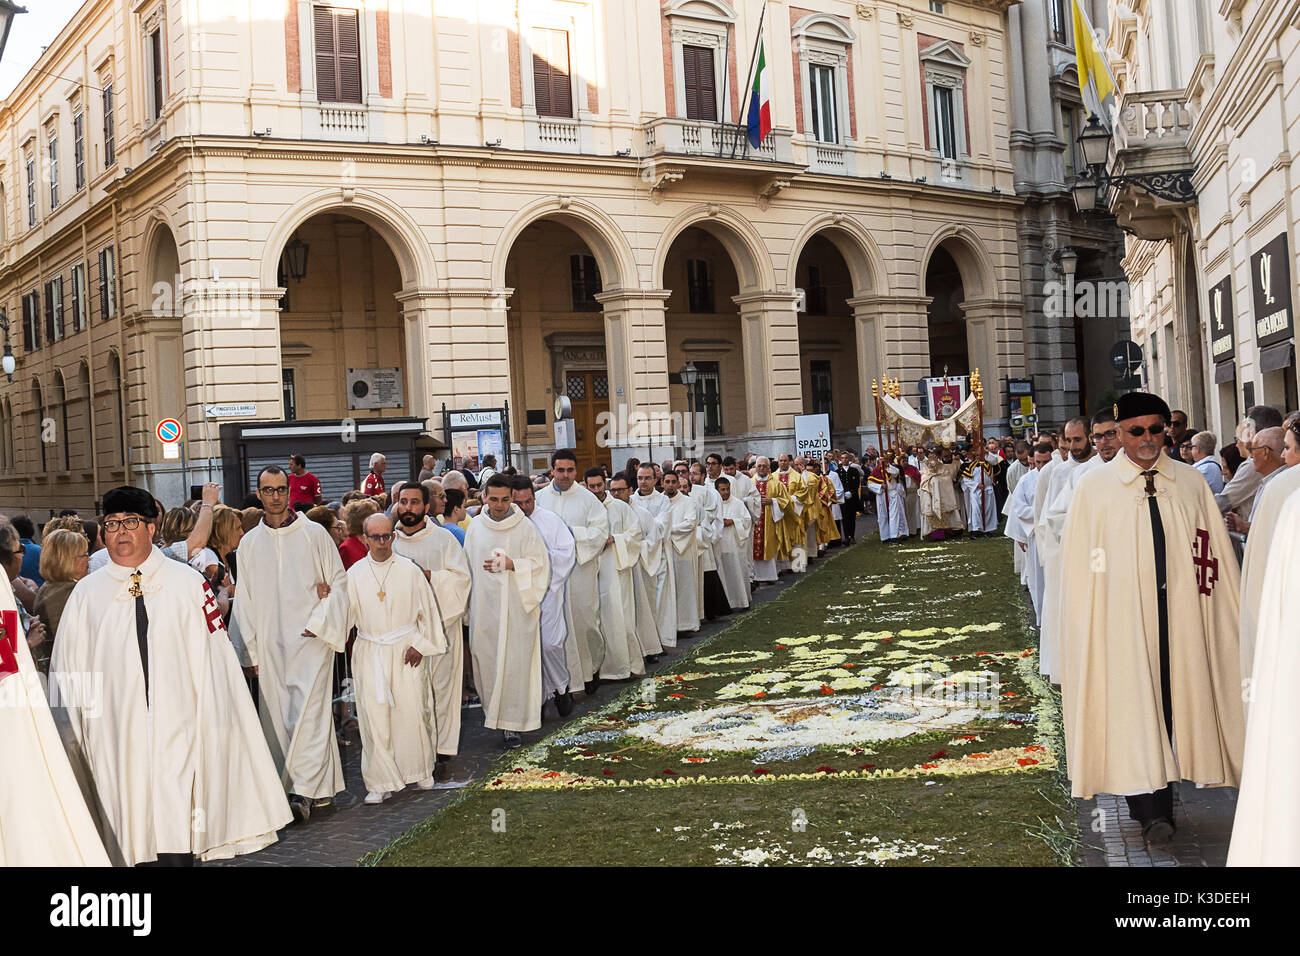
[1019, 510]
[737, 542]
[275, 601]
[185, 769]
[684, 558]
[590, 526]
[656, 558]
[892, 518]
[1056, 477]
[623, 656]
[504, 618]
[560, 666]
[435, 550]
[744, 490]
[709, 530]
[392, 607]
[44, 820]
[981, 502]
[1266, 829]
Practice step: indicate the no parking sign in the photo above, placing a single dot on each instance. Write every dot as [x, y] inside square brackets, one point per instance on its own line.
[169, 433]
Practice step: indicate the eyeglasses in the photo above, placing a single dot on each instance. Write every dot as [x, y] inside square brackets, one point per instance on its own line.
[1137, 431]
[112, 525]
[274, 492]
[380, 538]
[1255, 448]
[1110, 435]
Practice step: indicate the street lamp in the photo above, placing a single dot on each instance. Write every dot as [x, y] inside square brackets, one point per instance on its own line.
[295, 258]
[690, 375]
[1069, 260]
[7, 363]
[7, 11]
[1174, 185]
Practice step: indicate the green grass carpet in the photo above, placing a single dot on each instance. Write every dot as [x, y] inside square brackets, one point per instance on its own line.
[885, 710]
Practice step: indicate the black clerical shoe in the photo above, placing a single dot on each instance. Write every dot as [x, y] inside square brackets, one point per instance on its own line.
[444, 758]
[512, 740]
[652, 658]
[1158, 830]
[300, 807]
[564, 703]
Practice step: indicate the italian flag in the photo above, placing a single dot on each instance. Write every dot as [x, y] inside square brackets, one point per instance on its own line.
[760, 104]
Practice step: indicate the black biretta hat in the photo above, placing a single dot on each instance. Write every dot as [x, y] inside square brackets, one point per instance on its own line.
[1138, 404]
[129, 500]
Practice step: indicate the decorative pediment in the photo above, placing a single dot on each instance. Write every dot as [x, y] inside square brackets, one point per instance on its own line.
[716, 11]
[821, 26]
[945, 53]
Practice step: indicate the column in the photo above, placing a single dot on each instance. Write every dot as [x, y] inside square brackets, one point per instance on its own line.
[893, 340]
[773, 383]
[466, 357]
[636, 357]
[416, 306]
[996, 349]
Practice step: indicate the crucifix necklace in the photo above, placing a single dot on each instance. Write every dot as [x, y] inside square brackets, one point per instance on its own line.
[378, 582]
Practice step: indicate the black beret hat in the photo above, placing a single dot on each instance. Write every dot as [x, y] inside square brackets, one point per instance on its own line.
[1138, 404]
[129, 500]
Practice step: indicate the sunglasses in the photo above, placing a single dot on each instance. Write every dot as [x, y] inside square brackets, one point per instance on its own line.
[1137, 431]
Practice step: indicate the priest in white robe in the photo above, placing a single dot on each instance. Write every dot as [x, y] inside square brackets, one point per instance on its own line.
[771, 546]
[566, 497]
[656, 556]
[44, 820]
[288, 568]
[713, 596]
[886, 483]
[561, 667]
[439, 555]
[744, 490]
[511, 569]
[1266, 829]
[623, 656]
[684, 553]
[178, 763]
[736, 543]
[1019, 510]
[399, 628]
[639, 526]
[981, 502]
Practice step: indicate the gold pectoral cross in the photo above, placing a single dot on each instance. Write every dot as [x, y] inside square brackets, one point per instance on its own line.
[381, 594]
[135, 585]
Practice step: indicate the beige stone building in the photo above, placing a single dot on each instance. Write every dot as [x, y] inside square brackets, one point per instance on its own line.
[1212, 86]
[226, 212]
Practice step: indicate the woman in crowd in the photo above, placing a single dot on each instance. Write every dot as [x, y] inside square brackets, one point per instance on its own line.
[65, 555]
[353, 549]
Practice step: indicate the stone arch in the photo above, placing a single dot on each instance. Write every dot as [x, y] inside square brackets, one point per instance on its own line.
[712, 9]
[860, 252]
[737, 235]
[967, 250]
[602, 235]
[404, 237]
[163, 267]
[823, 25]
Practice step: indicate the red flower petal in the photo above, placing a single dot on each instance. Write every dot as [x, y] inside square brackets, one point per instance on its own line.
[849, 666]
[939, 756]
[1026, 761]
[928, 766]
[517, 770]
[761, 693]
[878, 687]
[780, 647]
[886, 639]
[671, 773]
[868, 766]
[678, 696]
[827, 770]
[1034, 747]
[759, 771]
[607, 772]
[827, 690]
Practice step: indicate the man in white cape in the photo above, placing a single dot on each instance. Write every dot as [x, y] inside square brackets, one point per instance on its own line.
[399, 630]
[288, 567]
[623, 656]
[684, 553]
[44, 820]
[178, 762]
[561, 668]
[1266, 830]
[439, 555]
[737, 541]
[634, 535]
[566, 497]
[655, 552]
[743, 490]
[511, 569]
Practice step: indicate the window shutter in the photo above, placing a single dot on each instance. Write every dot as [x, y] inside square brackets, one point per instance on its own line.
[691, 82]
[551, 84]
[701, 91]
[49, 311]
[103, 286]
[155, 42]
[348, 55]
[542, 81]
[29, 325]
[326, 72]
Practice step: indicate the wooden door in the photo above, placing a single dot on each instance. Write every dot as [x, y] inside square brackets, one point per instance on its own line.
[588, 391]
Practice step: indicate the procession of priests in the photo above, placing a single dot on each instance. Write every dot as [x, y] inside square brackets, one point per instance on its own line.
[220, 702]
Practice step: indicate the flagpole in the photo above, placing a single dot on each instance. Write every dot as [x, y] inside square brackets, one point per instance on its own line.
[722, 106]
[749, 74]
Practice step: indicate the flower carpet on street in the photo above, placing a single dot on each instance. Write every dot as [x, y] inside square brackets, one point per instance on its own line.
[886, 710]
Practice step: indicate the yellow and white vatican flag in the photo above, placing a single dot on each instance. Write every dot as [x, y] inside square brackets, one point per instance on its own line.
[1096, 82]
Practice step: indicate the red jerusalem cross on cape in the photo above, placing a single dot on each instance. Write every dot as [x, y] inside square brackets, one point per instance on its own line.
[1207, 567]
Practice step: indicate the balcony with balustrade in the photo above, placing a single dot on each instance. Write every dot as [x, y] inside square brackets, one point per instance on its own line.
[1151, 141]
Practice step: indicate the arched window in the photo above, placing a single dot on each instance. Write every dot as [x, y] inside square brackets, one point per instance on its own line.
[85, 442]
[36, 422]
[118, 387]
[64, 439]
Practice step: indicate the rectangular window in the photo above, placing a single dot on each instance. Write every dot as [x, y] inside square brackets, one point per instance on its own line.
[156, 73]
[815, 292]
[552, 87]
[338, 55]
[700, 82]
[110, 128]
[821, 389]
[708, 397]
[54, 309]
[107, 284]
[79, 302]
[290, 396]
[585, 279]
[1069, 132]
[936, 6]
[79, 147]
[31, 191]
[699, 287]
[32, 321]
[52, 156]
[825, 123]
[945, 123]
[1056, 20]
